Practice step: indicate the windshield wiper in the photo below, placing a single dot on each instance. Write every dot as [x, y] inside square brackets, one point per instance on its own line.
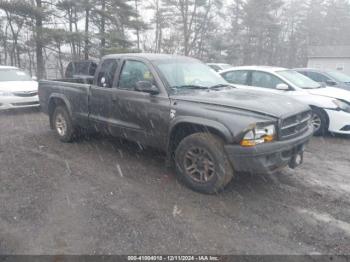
[318, 87]
[219, 86]
[201, 87]
[191, 87]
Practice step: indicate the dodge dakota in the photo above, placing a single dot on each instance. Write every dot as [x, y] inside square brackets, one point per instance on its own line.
[209, 129]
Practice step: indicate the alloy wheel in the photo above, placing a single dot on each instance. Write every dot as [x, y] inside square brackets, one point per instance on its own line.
[199, 165]
[316, 122]
[61, 125]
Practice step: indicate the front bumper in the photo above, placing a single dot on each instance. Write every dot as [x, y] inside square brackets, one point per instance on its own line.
[339, 121]
[9, 102]
[269, 157]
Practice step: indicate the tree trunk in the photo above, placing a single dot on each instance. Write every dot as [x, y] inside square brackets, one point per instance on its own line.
[5, 44]
[86, 48]
[18, 55]
[70, 18]
[30, 62]
[102, 29]
[77, 32]
[39, 45]
[60, 59]
[137, 26]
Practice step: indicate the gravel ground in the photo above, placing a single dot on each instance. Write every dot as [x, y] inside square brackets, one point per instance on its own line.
[105, 196]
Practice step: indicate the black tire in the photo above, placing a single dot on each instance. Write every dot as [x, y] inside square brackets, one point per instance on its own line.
[320, 122]
[214, 158]
[63, 125]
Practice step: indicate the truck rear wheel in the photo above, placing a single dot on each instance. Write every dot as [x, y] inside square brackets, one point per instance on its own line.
[63, 124]
[202, 164]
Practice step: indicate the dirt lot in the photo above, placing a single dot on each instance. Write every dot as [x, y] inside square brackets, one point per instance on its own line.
[105, 196]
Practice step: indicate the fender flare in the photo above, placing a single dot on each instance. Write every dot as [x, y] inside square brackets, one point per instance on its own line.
[64, 99]
[219, 127]
[65, 102]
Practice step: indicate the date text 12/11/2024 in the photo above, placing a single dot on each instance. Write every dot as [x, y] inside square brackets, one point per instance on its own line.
[173, 258]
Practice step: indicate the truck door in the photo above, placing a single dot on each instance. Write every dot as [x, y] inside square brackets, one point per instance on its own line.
[101, 110]
[141, 117]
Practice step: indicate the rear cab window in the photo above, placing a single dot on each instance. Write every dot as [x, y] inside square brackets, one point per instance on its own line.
[107, 72]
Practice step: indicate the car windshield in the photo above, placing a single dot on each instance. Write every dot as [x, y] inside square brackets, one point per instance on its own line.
[298, 79]
[339, 76]
[13, 75]
[188, 73]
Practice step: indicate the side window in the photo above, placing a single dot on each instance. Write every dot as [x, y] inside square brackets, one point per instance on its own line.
[133, 72]
[265, 80]
[236, 77]
[107, 71]
[317, 77]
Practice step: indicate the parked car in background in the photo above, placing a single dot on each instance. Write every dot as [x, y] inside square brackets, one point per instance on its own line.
[81, 69]
[330, 106]
[217, 67]
[327, 77]
[179, 105]
[17, 89]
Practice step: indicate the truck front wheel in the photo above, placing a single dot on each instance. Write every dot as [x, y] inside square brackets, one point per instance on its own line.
[202, 164]
[63, 124]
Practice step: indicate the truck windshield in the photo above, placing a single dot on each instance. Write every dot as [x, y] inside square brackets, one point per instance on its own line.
[298, 79]
[13, 75]
[184, 74]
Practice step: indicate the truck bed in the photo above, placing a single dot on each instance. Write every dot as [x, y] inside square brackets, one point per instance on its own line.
[75, 95]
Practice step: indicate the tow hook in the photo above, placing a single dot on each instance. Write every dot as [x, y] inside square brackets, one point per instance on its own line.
[296, 160]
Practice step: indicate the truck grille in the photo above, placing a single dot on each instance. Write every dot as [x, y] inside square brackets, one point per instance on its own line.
[294, 125]
[26, 93]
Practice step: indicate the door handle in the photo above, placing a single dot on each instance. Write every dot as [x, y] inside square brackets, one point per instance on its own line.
[114, 98]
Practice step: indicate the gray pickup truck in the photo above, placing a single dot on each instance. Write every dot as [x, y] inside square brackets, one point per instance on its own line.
[209, 129]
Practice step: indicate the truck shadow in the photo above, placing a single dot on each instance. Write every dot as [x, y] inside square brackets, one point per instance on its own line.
[146, 155]
[283, 186]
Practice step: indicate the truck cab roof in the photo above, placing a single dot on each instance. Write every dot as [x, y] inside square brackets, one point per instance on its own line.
[148, 56]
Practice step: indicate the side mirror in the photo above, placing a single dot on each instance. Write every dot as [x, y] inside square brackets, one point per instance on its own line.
[330, 82]
[282, 87]
[147, 87]
[34, 78]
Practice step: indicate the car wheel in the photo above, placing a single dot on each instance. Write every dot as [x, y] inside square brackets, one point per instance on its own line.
[319, 122]
[63, 124]
[202, 164]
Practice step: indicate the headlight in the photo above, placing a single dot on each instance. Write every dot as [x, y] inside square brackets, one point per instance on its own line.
[342, 105]
[5, 94]
[259, 135]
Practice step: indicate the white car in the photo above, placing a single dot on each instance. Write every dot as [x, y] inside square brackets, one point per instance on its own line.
[17, 89]
[217, 67]
[331, 106]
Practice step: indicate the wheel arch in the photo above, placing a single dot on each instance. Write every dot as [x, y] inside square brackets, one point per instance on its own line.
[187, 126]
[313, 107]
[57, 100]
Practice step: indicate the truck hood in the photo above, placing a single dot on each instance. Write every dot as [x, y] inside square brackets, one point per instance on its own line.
[18, 86]
[331, 92]
[277, 106]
